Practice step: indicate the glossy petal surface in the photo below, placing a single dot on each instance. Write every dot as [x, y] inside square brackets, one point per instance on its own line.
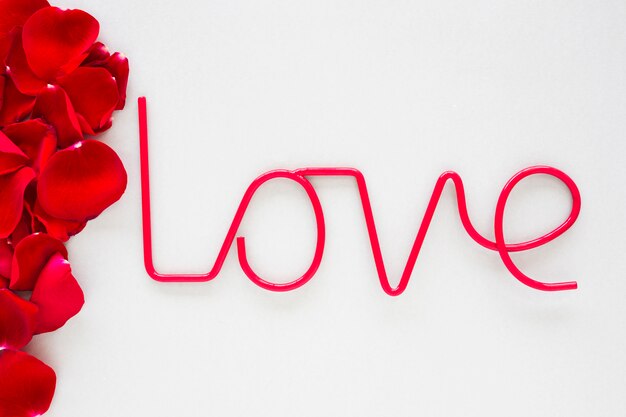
[22, 230]
[15, 105]
[6, 258]
[26, 385]
[118, 66]
[5, 45]
[35, 138]
[97, 55]
[57, 228]
[24, 78]
[12, 187]
[54, 106]
[57, 294]
[17, 320]
[30, 257]
[2, 82]
[56, 40]
[81, 181]
[93, 93]
[16, 12]
[11, 156]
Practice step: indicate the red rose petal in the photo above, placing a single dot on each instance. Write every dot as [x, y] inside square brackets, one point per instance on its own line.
[84, 125]
[15, 105]
[81, 181]
[2, 81]
[97, 55]
[56, 41]
[55, 107]
[11, 157]
[26, 225]
[5, 45]
[57, 294]
[12, 187]
[17, 67]
[118, 66]
[23, 229]
[35, 138]
[30, 257]
[6, 258]
[17, 320]
[16, 12]
[93, 93]
[57, 228]
[26, 385]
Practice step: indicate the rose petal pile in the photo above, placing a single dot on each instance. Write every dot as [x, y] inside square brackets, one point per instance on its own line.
[59, 88]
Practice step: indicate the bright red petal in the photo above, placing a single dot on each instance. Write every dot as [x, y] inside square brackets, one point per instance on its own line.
[81, 181]
[56, 41]
[26, 385]
[57, 228]
[23, 229]
[93, 93]
[5, 45]
[16, 12]
[57, 294]
[97, 55]
[84, 125]
[55, 107]
[18, 319]
[11, 157]
[15, 105]
[30, 257]
[12, 187]
[17, 67]
[35, 138]
[2, 81]
[6, 258]
[118, 66]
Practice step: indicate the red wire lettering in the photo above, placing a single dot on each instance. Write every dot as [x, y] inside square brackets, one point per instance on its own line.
[299, 176]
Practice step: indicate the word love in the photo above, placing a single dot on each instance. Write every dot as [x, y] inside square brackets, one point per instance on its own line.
[300, 176]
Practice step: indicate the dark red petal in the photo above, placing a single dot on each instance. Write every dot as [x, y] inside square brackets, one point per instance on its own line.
[6, 258]
[17, 67]
[57, 294]
[15, 105]
[26, 385]
[81, 181]
[5, 45]
[16, 12]
[35, 138]
[84, 125]
[30, 195]
[118, 66]
[93, 93]
[55, 107]
[18, 320]
[56, 41]
[2, 81]
[12, 188]
[23, 229]
[30, 257]
[97, 55]
[57, 228]
[11, 157]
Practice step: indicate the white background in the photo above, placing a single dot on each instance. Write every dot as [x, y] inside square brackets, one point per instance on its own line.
[402, 90]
